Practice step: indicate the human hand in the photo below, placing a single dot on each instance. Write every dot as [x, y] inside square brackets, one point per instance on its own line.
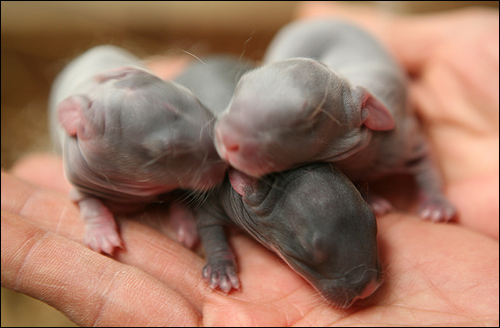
[434, 273]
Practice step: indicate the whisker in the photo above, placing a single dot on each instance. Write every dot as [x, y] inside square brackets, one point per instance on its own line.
[187, 52]
[320, 109]
[245, 44]
[318, 299]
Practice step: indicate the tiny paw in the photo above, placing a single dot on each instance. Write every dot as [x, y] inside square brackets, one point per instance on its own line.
[221, 273]
[187, 236]
[380, 205]
[103, 239]
[101, 233]
[437, 209]
[183, 222]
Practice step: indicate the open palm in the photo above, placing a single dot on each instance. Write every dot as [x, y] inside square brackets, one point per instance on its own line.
[434, 273]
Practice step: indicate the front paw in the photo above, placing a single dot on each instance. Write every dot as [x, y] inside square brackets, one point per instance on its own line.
[380, 205]
[102, 238]
[101, 232]
[436, 209]
[221, 272]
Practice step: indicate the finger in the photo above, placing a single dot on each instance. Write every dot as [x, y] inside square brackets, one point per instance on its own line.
[47, 209]
[160, 256]
[361, 14]
[62, 273]
[155, 254]
[168, 67]
[477, 202]
[144, 246]
[42, 170]
[416, 38]
[411, 38]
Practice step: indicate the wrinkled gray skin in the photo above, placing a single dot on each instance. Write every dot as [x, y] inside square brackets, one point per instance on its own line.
[127, 138]
[312, 217]
[329, 92]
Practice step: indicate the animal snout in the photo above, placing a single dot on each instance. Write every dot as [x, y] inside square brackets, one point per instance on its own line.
[343, 292]
[227, 141]
[243, 153]
[343, 295]
[369, 289]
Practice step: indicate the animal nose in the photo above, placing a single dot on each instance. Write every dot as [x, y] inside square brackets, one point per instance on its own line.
[227, 142]
[370, 289]
[233, 148]
[231, 144]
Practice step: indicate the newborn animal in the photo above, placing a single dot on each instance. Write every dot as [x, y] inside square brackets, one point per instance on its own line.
[312, 216]
[127, 138]
[329, 92]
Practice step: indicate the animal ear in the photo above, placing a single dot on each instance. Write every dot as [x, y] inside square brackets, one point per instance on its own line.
[241, 182]
[70, 114]
[374, 114]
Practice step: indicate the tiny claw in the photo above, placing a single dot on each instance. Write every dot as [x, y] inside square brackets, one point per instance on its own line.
[221, 275]
[235, 281]
[224, 284]
[214, 280]
[103, 240]
[101, 232]
[437, 209]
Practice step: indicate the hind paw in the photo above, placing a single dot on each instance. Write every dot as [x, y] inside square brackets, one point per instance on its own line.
[380, 205]
[221, 273]
[437, 209]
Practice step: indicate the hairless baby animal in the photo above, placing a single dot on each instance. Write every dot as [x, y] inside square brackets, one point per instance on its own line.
[313, 217]
[127, 138]
[328, 91]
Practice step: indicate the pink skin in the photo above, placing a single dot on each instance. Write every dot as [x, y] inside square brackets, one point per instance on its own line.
[101, 232]
[183, 222]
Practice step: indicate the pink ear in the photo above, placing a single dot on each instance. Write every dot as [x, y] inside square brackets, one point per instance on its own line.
[70, 113]
[240, 181]
[374, 114]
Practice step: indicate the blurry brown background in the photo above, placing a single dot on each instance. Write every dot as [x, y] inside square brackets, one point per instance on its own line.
[39, 38]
